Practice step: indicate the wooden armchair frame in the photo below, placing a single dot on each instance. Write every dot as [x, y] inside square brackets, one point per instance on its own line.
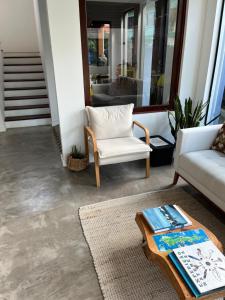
[88, 132]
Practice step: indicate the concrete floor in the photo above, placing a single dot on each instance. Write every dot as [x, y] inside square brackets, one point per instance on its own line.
[43, 254]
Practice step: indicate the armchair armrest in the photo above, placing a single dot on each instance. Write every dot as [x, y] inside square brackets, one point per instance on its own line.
[88, 132]
[195, 139]
[147, 137]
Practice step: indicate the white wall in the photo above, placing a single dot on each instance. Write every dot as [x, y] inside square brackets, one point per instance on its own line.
[41, 16]
[64, 29]
[66, 48]
[17, 26]
[197, 48]
[157, 123]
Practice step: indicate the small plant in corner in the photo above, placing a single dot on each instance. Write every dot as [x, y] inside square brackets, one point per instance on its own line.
[187, 116]
[77, 160]
[76, 153]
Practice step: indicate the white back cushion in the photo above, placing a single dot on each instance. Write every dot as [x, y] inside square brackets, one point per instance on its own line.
[111, 121]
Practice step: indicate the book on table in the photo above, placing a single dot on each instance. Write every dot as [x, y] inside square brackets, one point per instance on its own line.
[166, 217]
[173, 240]
[202, 266]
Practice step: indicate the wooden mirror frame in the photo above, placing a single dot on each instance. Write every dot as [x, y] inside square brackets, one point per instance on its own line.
[176, 66]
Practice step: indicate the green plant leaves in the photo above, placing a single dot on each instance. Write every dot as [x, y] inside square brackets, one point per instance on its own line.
[76, 153]
[186, 117]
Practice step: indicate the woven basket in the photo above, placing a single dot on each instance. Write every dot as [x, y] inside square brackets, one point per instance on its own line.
[75, 164]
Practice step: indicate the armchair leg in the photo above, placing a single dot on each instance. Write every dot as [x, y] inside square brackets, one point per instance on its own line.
[97, 171]
[86, 144]
[175, 178]
[147, 167]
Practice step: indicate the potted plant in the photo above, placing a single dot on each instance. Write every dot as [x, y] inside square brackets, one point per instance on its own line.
[187, 116]
[77, 160]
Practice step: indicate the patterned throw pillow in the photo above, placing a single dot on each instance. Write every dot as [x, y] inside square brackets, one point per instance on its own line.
[219, 143]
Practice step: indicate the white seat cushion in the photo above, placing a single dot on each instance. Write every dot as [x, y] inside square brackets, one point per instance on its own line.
[206, 167]
[111, 122]
[121, 150]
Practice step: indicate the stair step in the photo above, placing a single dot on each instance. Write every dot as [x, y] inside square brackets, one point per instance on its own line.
[26, 102]
[26, 97]
[24, 84]
[23, 80]
[32, 117]
[18, 57]
[26, 112]
[22, 64]
[26, 88]
[20, 54]
[24, 76]
[22, 72]
[8, 108]
[17, 85]
[21, 61]
[24, 92]
[28, 123]
[23, 68]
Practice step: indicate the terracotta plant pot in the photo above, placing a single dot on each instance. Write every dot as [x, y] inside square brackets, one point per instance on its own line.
[77, 164]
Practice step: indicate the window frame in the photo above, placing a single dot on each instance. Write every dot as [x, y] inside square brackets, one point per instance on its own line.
[176, 65]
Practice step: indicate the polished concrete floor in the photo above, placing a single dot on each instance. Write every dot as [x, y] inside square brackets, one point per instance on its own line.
[43, 254]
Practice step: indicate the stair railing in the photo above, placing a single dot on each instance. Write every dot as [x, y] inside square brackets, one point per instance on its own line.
[2, 121]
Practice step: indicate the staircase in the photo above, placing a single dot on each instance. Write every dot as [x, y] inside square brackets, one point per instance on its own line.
[25, 93]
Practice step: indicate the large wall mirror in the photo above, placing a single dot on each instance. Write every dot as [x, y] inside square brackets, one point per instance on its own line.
[132, 52]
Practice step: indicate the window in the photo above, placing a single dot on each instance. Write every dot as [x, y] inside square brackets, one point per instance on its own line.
[216, 111]
[132, 52]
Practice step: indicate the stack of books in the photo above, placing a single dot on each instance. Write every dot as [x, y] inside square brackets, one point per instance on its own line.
[198, 261]
[202, 267]
[166, 217]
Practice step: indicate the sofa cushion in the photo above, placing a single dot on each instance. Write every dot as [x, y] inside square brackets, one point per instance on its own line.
[219, 143]
[206, 167]
[123, 158]
[111, 121]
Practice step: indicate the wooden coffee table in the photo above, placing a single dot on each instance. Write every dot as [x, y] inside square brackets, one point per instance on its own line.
[161, 258]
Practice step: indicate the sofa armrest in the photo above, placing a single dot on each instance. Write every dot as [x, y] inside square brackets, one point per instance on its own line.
[195, 139]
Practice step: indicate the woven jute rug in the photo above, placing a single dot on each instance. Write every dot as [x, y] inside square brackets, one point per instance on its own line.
[115, 243]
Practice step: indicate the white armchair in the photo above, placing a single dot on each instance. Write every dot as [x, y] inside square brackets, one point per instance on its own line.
[110, 135]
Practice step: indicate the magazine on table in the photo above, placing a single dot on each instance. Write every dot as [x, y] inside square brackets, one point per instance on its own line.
[173, 240]
[166, 217]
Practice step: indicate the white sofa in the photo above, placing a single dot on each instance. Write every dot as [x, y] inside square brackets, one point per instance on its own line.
[199, 165]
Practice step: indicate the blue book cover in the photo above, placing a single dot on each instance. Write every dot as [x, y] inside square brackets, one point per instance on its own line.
[164, 217]
[177, 218]
[155, 219]
[184, 275]
[173, 240]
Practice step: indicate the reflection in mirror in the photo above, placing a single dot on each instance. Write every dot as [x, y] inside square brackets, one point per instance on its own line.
[130, 51]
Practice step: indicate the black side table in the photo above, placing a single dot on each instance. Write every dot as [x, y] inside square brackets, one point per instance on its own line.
[162, 153]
